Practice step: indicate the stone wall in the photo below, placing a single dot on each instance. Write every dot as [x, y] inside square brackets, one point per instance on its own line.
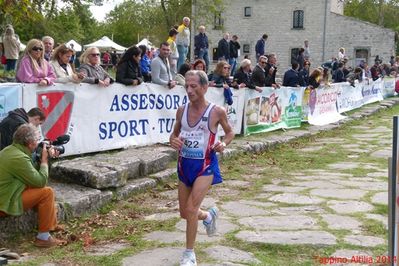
[275, 19]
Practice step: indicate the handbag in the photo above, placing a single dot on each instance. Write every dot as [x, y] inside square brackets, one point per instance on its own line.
[3, 60]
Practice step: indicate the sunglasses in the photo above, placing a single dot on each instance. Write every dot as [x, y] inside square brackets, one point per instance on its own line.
[93, 55]
[263, 62]
[226, 67]
[37, 49]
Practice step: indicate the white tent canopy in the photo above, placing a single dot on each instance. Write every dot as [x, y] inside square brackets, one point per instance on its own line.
[105, 43]
[76, 46]
[145, 42]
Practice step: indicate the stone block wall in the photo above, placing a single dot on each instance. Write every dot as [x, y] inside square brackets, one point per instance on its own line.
[275, 18]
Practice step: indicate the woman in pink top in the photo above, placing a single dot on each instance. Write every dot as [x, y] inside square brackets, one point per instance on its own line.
[33, 68]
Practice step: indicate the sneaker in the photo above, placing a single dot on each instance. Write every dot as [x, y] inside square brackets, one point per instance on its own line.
[50, 242]
[188, 259]
[211, 227]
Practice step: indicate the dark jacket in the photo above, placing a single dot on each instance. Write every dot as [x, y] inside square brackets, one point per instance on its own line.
[258, 77]
[200, 43]
[127, 72]
[10, 124]
[242, 77]
[219, 82]
[270, 78]
[339, 76]
[234, 47]
[260, 47]
[303, 77]
[291, 78]
[223, 49]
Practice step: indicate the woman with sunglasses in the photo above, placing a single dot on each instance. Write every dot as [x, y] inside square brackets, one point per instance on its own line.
[221, 79]
[61, 66]
[92, 69]
[33, 68]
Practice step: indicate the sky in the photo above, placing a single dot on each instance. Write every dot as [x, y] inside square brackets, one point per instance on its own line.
[99, 12]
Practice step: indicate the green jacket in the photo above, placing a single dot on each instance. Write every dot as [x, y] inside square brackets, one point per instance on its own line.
[17, 171]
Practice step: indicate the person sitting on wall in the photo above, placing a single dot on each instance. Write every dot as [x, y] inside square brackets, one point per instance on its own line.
[23, 183]
[61, 66]
[33, 68]
[18, 117]
[128, 70]
[91, 68]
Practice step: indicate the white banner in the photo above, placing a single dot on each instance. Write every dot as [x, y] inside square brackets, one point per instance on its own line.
[371, 91]
[349, 97]
[322, 106]
[100, 119]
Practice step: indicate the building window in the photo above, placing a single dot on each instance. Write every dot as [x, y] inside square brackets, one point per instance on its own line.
[298, 19]
[218, 23]
[246, 48]
[247, 11]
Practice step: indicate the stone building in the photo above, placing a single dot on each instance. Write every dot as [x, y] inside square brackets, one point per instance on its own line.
[289, 22]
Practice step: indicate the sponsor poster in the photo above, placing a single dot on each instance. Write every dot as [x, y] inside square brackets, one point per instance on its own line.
[234, 111]
[322, 106]
[10, 98]
[100, 119]
[388, 87]
[349, 97]
[371, 91]
[272, 109]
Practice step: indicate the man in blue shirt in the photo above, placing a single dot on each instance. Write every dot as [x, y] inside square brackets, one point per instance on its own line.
[260, 47]
[201, 46]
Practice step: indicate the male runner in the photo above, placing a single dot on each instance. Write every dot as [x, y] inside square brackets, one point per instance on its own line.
[194, 136]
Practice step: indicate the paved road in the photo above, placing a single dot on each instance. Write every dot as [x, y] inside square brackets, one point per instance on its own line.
[331, 207]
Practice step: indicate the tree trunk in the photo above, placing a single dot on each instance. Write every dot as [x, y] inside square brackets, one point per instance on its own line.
[165, 12]
[381, 12]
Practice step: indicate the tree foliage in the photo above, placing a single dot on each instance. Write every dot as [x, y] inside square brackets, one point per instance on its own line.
[381, 12]
[127, 23]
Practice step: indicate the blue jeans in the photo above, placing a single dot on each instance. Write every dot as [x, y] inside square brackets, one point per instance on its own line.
[233, 64]
[10, 65]
[182, 55]
[203, 54]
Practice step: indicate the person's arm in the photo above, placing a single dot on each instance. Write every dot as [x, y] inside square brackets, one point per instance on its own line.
[51, 76]
[23, 170]
[228, 131]
[155, 73]
[88, 79]
[174, 139]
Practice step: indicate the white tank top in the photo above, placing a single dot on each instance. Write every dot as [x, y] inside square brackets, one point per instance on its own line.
[197, 139]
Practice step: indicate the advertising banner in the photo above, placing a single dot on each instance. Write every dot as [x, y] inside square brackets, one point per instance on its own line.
[322, 106]
[100, 119]
[10, 98]
[388, 88]
[349, 97]
[371, 91]
[272, 109]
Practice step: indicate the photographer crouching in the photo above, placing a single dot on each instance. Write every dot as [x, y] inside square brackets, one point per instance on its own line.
[23, 183]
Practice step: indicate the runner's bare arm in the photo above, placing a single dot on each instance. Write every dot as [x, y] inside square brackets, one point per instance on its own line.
[228, 131]
[174, 139]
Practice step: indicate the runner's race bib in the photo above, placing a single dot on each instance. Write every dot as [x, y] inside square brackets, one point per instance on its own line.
[193, 145]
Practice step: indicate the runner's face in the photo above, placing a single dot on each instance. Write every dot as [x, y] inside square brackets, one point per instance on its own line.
[194, 90]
